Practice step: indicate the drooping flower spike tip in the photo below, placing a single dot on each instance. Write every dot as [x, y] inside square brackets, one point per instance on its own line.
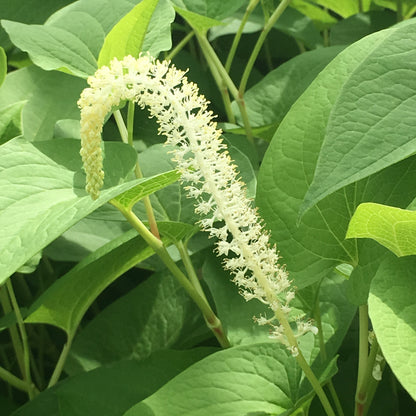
[206, 168]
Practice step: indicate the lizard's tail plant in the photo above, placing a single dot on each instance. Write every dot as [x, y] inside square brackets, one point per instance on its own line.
[210, 177]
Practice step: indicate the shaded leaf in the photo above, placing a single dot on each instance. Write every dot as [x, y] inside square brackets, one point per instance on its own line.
[354, 28]
[111, 390]
[268, 101]
[156, 315]
[66, 301]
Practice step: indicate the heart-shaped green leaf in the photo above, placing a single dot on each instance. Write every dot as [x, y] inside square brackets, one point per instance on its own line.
[392, 227]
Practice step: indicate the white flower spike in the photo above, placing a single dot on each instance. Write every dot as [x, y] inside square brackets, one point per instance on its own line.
[205, 167]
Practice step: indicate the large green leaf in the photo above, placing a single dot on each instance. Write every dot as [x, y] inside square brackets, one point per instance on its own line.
[42, 193]
[157, 314]
[52, 47]
[128, 35]
[237, 381]
[72, 37]
[43, 91]
[111, 390]
[392, 311]
[66, 301]
[317, 243]
[268, 101]
[392, 227]
[371, 123]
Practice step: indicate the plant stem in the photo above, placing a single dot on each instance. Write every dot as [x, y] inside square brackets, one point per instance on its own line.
[180, 46]
[363, 344]
[61, 362]
[190, 270]
[17, 344]
[251, 6]
[159, 248]
[23, 335]
[399, 10]
[322, 349]
[369, 383]
[257, 47]
[211, 56]
[14, 381]
[316, 385]
[126, 134]
[362, 357]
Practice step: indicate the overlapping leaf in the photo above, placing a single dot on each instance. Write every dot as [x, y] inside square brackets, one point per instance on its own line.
[241, 380]
[317, 243]
[157, 314]
[42, 193]
[369, 125]
[111, 390]
[392, 227]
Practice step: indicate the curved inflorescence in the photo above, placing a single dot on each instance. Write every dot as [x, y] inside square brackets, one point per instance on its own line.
[211, 177]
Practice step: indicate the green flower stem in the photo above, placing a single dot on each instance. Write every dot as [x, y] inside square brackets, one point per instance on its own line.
[251, 6]
[257, 47]
[211, 56]
[371, 391]
[322, 350]
[369, 383]
[121, 126]
[23, 335]
[126, 134]
[17, 343]
[14, 381]
[61, 361]
[363, 346]
[130, 123]
[399, 10]
[180, 46]
[190, 270]
[222, 87]
[316, 385]
[159, 248]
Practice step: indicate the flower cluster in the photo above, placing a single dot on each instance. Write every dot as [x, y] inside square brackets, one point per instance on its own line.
[206, 168]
